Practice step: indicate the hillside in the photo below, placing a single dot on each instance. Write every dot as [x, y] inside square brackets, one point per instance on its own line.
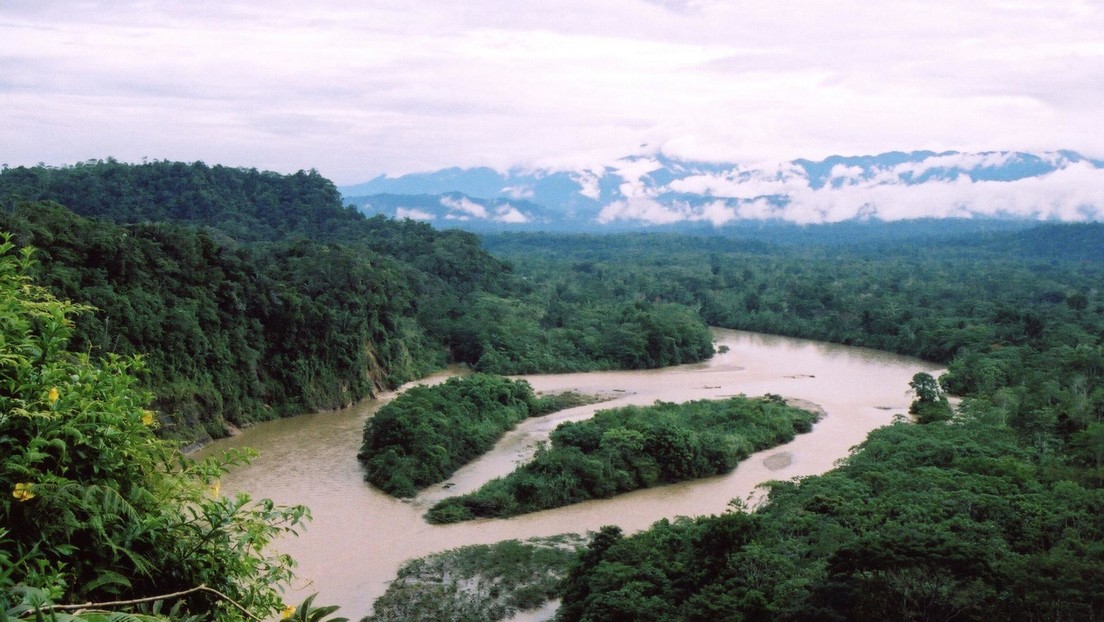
[255, 295]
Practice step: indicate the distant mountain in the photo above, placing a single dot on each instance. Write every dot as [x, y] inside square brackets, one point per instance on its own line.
[656, 191]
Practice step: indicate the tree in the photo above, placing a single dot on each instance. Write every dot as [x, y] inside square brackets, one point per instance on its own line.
[95, 506]
[931, 402]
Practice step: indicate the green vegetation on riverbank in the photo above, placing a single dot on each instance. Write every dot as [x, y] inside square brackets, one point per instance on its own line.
[254, 295]
[997, 513]
[630, 448]
[479, 583]
[426, 433]
[95, 509]
[927, 522]
[944, 300]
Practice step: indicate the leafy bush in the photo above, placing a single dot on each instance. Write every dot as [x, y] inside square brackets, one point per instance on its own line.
[629, 448]
[427, 432]
[95, 506]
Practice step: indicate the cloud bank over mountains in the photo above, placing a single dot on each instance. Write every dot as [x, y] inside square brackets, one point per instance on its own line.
[355, 89]
[656, 190]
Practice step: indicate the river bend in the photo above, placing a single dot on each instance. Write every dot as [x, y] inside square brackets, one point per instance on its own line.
[360, 536]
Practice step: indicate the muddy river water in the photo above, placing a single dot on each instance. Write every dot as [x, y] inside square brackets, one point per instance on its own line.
[360, 536]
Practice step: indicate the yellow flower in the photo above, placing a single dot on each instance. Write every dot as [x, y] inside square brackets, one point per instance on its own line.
[287, 612]
[147, 417]
[214, 489]
[22, 491]
[53, 395]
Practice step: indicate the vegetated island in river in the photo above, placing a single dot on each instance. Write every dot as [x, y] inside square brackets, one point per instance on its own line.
[625, 449]
[428, 432]
[487, 582]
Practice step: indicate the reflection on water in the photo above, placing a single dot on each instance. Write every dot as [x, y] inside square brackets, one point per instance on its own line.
[360, 536]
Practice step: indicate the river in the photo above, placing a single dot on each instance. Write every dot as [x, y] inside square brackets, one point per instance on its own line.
[359, 536]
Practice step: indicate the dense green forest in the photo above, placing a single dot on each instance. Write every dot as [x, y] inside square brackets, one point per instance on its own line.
[255, 295]
[933, 522]
[932, 298]
[250, 295]
[96, 509]
[630, 448]
[997, 513]
[427, 432]
[230, 333]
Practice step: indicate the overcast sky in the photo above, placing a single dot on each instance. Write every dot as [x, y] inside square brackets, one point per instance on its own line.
[355, 89]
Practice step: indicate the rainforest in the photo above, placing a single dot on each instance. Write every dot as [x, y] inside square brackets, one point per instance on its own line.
[151, 307]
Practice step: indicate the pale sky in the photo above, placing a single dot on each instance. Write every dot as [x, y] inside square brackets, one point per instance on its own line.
[356, 89]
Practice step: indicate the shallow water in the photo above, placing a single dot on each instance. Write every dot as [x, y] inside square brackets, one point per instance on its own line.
[360, 536]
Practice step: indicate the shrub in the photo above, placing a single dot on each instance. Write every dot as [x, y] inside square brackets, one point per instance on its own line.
[95, 507]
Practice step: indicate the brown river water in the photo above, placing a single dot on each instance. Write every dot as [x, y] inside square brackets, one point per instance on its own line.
[360, 536]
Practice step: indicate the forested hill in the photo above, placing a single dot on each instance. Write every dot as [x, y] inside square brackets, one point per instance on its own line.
[231, 333]
[243, 203]
[254, 295]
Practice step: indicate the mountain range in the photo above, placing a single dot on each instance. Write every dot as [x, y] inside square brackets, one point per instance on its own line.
[661, 192]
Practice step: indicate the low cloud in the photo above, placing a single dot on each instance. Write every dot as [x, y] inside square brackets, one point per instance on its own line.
[465, 205]
[644, 210]
[1072, 192]
[511, 215]
[412, 213]
[739, 184]
[588, 184]
[518, 192]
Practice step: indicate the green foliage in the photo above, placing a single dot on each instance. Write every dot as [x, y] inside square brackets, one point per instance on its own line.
[273, 298]
[629, 448]
[307, 612]
[970, 297]
[95, 506]
[427, 432]
[920, 523]
[256, 295]
[231, 335]
[931, 403]
[993, 515]
[246, 204]
[480, 583]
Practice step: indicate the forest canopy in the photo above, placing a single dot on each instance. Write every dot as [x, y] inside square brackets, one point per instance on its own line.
[248, 295]
[256, 295]
[96, 509]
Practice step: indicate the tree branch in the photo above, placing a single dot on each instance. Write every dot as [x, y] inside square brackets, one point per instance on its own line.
[148, 599]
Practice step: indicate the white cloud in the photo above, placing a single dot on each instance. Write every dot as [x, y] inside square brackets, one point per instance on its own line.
[518, 192]
[718, 213]
[632, 172]
[510, 214]
[643, 210]
[588, 184]
[463, 204]
[412, 213]
[845, 174]
[742, 184]
[464, 209]
[1073, 192]
[964, 161]
[356, 90]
